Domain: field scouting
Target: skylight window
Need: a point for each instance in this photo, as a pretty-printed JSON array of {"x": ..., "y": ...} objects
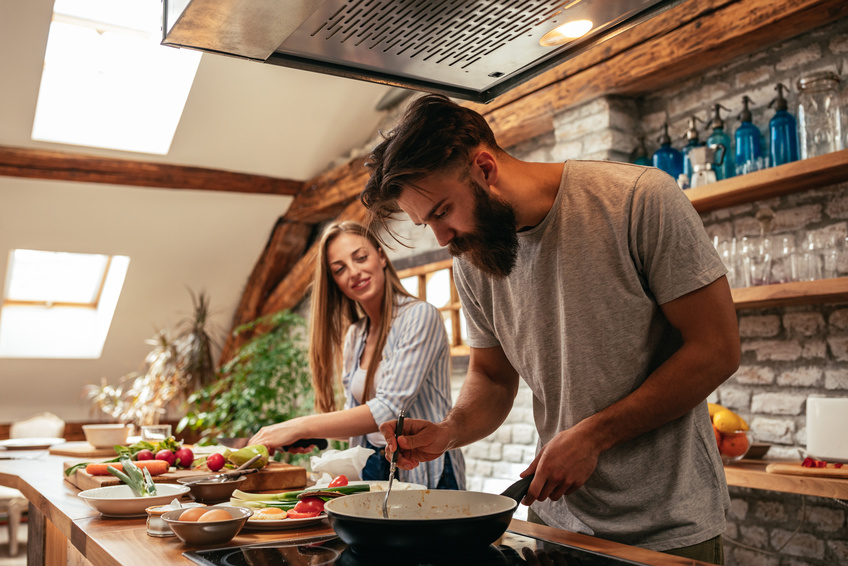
[
  {"x": 106, "y": 80},
  {"x": 59, "y": 305}
]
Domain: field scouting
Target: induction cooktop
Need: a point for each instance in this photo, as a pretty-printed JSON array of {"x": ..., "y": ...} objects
[{"x": 511, "y": 549}]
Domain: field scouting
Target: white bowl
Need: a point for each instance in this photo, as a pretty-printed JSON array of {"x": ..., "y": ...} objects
[
  {"x": 120, "y": 501},
  {"x": 106, "y": 435}
]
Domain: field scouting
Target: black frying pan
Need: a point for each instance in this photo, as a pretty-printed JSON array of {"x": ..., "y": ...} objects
[{"x": 424, "y": 521}]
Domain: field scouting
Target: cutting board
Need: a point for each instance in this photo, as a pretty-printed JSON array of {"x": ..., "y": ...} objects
[
  {"x": 795, "y": 468},
  {"x": 81, "y": 450},
  {"x": 276, "y": 476}
]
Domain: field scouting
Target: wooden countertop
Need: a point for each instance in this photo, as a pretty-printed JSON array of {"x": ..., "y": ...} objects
[
  {"x": 753, "y": 474},
  {"x": 124, "y": 542}
]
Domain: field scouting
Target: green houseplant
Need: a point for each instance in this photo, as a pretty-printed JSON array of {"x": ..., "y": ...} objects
[{"x": 267, "y": 381}]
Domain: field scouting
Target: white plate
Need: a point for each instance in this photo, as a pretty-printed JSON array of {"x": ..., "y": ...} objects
[
  {"x": 30, "y": 443},
  {"x": 119, "y": 500},
  {"x": 284, "y": 523}
]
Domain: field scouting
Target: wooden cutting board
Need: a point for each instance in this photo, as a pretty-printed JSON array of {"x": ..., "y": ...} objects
[
  {"x": 81, "y": 450},
  {"x": 795, "y": 468},
  {"x": 276, "y": 476}
]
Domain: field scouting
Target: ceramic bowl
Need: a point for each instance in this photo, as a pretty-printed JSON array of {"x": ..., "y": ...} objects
[
  {"x": 120, "y": 501},
  {"x": 106, "y": 435},
  {"x": 197, "y": 533},
  {"x": 212, "y": 492}
]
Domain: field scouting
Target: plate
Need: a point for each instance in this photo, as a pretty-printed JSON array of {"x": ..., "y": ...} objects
[
  {"x": 119, "y": 500},
  {"x": 30, "y": 443},
  {"x": 284, "y": 523}
]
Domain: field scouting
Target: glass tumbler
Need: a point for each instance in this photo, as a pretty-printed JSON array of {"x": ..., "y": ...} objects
[
  {"x": 781, "y": 261},
  {"x": 758, "y": 262}
]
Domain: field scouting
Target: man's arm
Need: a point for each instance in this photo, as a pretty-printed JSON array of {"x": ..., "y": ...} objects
[
  {"x": 483, "y": 404},
  {"x": 709, "y": 355}
]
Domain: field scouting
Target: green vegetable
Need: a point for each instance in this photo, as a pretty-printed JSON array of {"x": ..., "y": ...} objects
[
  {"x": 262, "y": 504},
  {"x": 170, "y": 443},
  {"x": 239, "y": 457},
  {"x": 141, "y": 483},
  {"x": 291, "y": 496}
]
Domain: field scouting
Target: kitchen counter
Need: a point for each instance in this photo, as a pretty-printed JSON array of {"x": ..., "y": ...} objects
[{"x": 63, "y": 528}]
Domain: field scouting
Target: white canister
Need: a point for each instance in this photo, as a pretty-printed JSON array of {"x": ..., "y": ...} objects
[{"x": 827, "y": 428}]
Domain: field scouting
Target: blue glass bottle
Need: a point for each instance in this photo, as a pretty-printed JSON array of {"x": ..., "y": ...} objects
[
  {"x": 666, "y": 157},
  {"x": 749, "y": 152},
  {"x": 719, "y": 140},
  {"x": 692, "y": 140},
  {"x": 639, "y": 155},
  {"x": 783, "y": 132}
]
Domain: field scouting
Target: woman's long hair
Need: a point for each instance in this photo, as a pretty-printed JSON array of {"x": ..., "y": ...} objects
[{"x": 333, "y": 313}]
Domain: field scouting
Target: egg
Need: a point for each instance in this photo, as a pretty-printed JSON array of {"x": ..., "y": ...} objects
[
  {"x": 214, "y": 515},
  {"x": 192, "y": 514},
  {"x": 268, "y": 514}
]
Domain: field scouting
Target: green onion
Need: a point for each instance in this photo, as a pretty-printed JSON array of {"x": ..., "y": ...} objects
[{"x": 140, "y": 483}]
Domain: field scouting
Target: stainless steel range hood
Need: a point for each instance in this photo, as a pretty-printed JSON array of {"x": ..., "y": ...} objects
[{"x": 469, "y": 49}]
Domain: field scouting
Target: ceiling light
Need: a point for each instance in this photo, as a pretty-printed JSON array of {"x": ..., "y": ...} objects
[{"x": 569, "y": 31}]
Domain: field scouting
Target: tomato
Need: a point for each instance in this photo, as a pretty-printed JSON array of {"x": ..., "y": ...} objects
[
  {"x": 292, "y": 514},
  {"x": 340, "y": 481},
  {"x": 310, "y": 505}
]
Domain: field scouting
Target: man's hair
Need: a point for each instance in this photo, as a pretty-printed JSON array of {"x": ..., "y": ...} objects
[{"x": 435, "y": 134}]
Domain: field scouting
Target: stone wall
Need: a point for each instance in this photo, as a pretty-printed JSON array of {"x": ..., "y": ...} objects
[{"x": 788, "y": 353}]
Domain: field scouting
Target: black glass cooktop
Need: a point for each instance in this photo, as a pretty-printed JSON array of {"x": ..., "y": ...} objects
[{"x": 511, "y": 549}]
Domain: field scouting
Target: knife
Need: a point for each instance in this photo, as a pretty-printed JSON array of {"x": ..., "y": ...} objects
[{"x": 241, "y": 442}]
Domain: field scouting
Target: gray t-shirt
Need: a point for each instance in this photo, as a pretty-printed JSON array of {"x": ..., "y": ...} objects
[{"x": 579, "y": 319}]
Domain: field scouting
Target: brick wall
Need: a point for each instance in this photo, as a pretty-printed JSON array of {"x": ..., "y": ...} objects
[{"x": 788, "y": 353}]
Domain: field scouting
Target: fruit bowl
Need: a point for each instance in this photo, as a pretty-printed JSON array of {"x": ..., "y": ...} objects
[{"x": 734, "y": 446}]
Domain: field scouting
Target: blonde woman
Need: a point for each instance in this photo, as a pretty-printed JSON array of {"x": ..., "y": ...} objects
[{"x": 389, "y": 348}]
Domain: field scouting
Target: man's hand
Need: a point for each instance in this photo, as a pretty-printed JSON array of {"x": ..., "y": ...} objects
[
  {"x": 562, "y": 465},
  {"x": 421, "y": 441}
]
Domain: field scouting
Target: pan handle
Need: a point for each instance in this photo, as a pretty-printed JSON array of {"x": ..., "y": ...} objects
[{"x": 518, "y": 490}]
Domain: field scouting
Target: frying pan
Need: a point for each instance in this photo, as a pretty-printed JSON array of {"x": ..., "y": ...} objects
[{"x": 424, "y": 521}]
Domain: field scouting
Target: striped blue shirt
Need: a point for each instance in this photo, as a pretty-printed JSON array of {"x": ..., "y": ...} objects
[{"x": 413, "y": 375}]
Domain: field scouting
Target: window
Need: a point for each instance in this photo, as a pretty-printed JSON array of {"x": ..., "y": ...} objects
[
  {"x": 434, "y": 283},
  {"x": 59, "y": 305},
  {"x": 106, "y": 80}
]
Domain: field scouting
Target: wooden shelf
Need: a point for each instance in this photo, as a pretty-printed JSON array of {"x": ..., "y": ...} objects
[
  {"x": 787, "y": 294},
  {"x": 775, "y": 181},
  {"x": 753, "y": 474}
]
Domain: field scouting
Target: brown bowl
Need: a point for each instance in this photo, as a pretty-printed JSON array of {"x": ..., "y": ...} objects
[
  {"x": 205, "y": 534},
  {"x": 212, "y": 492}
]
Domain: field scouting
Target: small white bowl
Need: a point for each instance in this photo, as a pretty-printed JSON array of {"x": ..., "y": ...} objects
[
  {"x": 205, "y": 534},
  {"x": 120, "y": 501},
  {"x": 106, "y": 435}
]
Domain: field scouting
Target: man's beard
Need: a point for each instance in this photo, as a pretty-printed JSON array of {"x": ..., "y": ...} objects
[{"x": 493, "y": 246}]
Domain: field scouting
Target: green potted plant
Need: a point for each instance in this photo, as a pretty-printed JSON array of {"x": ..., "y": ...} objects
[{"x": 267, "y": 381}]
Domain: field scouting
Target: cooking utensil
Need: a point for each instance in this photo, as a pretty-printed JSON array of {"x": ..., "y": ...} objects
[
  {"x": 424, "y": 521},
  {"x": 238, "y": 472},
  {"x": 393, "y": 467}
]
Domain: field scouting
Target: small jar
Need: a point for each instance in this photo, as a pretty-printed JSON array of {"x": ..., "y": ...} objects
[
  {"x": 820, "y": 110},
  {"x": 156, "y": 525}
]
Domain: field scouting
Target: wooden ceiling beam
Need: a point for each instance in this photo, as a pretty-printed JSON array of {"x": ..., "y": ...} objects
[
  {"x": 328, "y": 194},
  {"x": 62, "y": 166}
]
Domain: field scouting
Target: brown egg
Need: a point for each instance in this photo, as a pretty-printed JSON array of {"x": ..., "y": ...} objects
[
  {"x": 214, "y": 515},
  {"x": 192, "y": 513}
]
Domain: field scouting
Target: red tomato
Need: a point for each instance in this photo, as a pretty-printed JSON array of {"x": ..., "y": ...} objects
[
  {"x": 292, "y": 514},
  {"x": 313, "y": 505},
  {"x": 340, "y": 481}
]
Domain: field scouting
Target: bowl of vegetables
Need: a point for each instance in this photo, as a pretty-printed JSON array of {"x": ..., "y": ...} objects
[{"x": 122, "y": 501}]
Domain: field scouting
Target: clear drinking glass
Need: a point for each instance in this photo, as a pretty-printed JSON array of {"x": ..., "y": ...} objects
[
  {"x": 758, "y": 262},
  {"x": 155, "y": 433},
  {"x": 781, "y": 261},
  {"x": 727, "y": 251}
]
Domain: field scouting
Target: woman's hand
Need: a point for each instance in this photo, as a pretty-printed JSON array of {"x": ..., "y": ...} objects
[
  {"x": 281, "y": 434},
  {"x": 421, "y": 441}
]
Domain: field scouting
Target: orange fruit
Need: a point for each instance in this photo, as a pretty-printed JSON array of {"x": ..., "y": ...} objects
[{"x": 734, "y": 445}]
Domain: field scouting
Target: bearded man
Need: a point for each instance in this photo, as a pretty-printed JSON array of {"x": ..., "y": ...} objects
[{"x": 596, "y": 283}]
